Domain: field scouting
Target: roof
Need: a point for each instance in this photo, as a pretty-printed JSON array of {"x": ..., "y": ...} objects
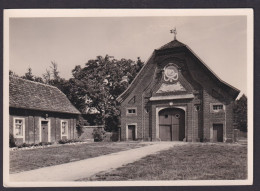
[
  {"x": 172, "y": 44},
  {"x": 175, "y": 44},
  {"x": 37, "y": 96}
]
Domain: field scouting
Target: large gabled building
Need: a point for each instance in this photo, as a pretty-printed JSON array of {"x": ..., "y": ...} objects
[
  {"x": 176, "y": 97},
  {"x": 39, "y": 112}
]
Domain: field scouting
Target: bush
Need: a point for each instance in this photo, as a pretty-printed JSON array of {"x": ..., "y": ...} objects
[
  {"x": 114, "y": 136},
  {"x": 25, "y": 145},
  {"x": 62, "y": 141},
  {"x": 44, "y": 143},
  {"x": 11, "y": 141},
  {"x": 99, "y": 134},
  {"x": 65, "y": 141},
  {"x": 206, "y": 140}
]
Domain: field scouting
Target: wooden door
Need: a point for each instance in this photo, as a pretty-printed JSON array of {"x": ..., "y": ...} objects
[
  {"x": 44, "y": 131},
  {"x": 218, "y": 133},
  {"x": 131, "y": 132},
  {"x": 172, "y": 124},
  {"x": 165, "y": 133}
]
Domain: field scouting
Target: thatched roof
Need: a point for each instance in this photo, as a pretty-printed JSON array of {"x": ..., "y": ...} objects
[{"x": 37, "y": 96}]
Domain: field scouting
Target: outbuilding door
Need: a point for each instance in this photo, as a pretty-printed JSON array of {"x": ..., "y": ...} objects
[
  {"x": 172, "y": 124},
  {"x": 217, "y": 132},
  {"x": 131, "y": 132},
  {"x": 44, "y": 131}
]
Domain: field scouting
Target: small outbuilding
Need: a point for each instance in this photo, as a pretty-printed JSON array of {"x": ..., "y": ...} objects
[
  {"x": 39, "y": 112},
  {"x": 177, "y": 97}
]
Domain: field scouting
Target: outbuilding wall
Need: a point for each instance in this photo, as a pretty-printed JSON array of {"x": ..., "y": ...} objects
[{"x": 32, "y": 124}]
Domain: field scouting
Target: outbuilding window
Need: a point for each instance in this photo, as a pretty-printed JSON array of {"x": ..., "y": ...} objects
[
  {"x": 64, "y": 128},
  {"x": 19, "y": 128},
  {"x": 131, "y": 111}
]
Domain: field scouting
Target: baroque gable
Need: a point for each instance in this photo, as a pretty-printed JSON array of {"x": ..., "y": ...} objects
[{"x": 170, "y": 80}]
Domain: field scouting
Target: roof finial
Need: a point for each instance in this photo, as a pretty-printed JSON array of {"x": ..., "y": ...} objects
[{"x": 174, "y": 31}]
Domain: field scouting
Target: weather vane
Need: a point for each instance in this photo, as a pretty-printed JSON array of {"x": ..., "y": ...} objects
[{"x": 174, "y": 31}]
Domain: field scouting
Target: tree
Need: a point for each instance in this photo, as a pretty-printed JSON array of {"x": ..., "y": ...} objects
[
  {"x": 99, "y": 83},
  {"x": 240, "y": 113},
  {"x": 47, "y": 76},
  {"x": 52, "y": 77},
  {"x": 54, "y": 70},
  {"x": 11, "y": 73},
  {"x": 29, "y": 76}
]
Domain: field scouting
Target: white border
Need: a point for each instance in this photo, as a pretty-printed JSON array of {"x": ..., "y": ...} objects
[{"x": 127, "y": 13}]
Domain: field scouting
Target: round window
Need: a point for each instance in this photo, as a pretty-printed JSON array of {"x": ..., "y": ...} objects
[{"x": 177, "y": 116}]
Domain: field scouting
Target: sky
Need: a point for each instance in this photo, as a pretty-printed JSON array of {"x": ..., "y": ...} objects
[{"x": 220, "y": 41}]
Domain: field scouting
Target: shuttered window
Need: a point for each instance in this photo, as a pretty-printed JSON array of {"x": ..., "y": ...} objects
[
  {"x": 64, "y": 128},
  {"x": 19, "y": 127}
]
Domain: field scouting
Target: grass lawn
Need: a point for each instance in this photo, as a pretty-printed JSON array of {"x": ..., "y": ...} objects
[
  {"x": 200, "y": 161},
  {"x": 23, "y": 160}
]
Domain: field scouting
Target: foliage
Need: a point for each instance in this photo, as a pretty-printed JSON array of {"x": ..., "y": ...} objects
[
  {"x": 98, "y": 134},
  {"x": 11, "y": 73},
  {"x": 11, "y": 141},
  {"x": 29, "y": 76},
  {"x": 65, "y": 141},
  {"x": 80, "y": 125},
  {"x": 94, "y": 87},
  {"x": 34, "y": 144},
  {"x": 52, "y": 77},
  {"x": 240, "y": 113},
  {"x": 45, "y": 143},
  {"x": 99, "y": 83}
]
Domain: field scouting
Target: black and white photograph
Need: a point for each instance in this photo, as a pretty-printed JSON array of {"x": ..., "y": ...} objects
[{"x": 126, "y": 97}]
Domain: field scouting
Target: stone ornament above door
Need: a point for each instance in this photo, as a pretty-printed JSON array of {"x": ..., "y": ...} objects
[{"x": 177, "y": 87}]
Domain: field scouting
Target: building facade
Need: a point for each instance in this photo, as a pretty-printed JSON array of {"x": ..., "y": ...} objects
[
  {"x": 39, "y": 113},
  {"x": 176, "y": 97}
]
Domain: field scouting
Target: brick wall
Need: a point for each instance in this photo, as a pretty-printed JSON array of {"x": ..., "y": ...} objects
[
  {"x": 141, "y": 117},
  {"x": 196, "y": 79},
  {"x": 224, "y": 117}
]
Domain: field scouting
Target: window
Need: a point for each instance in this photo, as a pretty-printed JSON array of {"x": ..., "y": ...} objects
[
  {"x": 217, "y": 107},
  {"x": 177, "y": 116},
  {"x": 197, "y": 107},
  {"x": 131, "y": 111},
  {"x": 19, "y": 128},
  {"x": 64, "y": 128}
]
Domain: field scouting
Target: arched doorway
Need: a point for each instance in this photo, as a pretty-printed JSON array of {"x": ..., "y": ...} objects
[{"x": 172, "y": 124}]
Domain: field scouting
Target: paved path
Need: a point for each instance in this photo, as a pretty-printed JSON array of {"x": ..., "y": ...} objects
[{"x": 88, "y": 167}]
